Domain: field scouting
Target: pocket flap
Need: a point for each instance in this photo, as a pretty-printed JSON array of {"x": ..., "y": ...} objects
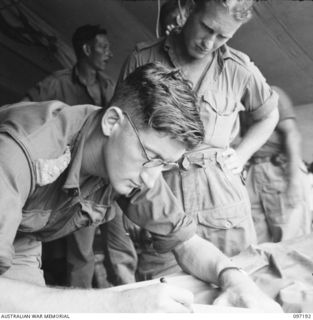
[
  {"x": 223, "y": 218},
  {"x": 274, "y": 187}
]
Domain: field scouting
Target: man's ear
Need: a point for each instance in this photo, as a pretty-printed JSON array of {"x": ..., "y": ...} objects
[
  {"x": 112, "y": 117},
  {"x": 86, "y": 49}
]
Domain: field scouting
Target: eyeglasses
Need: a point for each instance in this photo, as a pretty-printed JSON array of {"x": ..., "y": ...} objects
[{"x": 155, "y": 162}]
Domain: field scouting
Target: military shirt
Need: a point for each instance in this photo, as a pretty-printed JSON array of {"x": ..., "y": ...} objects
[
  {"x": 231, "y": 84},
  {"x": 41, "y": 148},
  {"x": 65, "y": 85}
]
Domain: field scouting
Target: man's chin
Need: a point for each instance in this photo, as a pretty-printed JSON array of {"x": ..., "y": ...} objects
[{"x": 198, "y": 54}]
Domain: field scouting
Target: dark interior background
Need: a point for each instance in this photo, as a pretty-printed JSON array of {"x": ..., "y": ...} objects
[{"x": 278, "y": 39}]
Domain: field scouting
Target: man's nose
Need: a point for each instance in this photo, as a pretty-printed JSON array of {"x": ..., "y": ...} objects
[
  {"x": 208, "y": 41},
  {"x": 150, "y": 175},
  {"x": 110, "y": 54}
]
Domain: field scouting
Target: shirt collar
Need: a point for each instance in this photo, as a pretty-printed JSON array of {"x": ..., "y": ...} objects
[
  {"x": 223, "y": 53},
  {"x": 73, "y": 176},
  {"x": 101, "y": 77},
  {"x": 75, "y": 75}
]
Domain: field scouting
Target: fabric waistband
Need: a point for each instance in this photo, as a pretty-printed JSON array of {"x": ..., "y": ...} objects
[
  {"x": 275, "y": 159},
  {"x": 201, "y": 158}
]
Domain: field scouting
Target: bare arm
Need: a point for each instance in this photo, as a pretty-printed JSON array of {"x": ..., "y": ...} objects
[
  {"x": 257, "y": 135},
  {"x": 292, "y": 141},
  {"x": 201, "y": 259},
  {"x": 204, "y": 261},
  {"x": 254, "y": 138},
  {"x": 25, "y": 297}
]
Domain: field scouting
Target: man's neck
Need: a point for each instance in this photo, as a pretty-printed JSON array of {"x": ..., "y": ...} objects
[
  {"x": 93, "y": 156},
  {"x": 86, "y": 73},
  {"x": 192, "y": 68}
]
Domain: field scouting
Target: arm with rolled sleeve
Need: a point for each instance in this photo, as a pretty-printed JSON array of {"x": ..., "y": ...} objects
[
  {"x": 292, "y": 141},
  {"x": 204, "y": 261},
  {"x": 158, "y": 211},
  {"x": 287, "y": 127},
  {"x": 261, "y": 103},
  {"x": 14, "y": 189}
]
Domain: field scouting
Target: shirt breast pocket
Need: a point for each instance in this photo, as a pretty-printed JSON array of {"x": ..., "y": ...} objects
[{"x": 219, "y": 113}]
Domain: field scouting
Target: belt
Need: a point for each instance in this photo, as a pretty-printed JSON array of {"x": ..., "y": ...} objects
[
  {"x": 201, "y": 158},
  {"x": 275, "y": 159},
  {"x": 204, "y": 157}
]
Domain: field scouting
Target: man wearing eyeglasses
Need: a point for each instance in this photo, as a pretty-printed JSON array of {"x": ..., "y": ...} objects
[{"x": 64, "y": 168}]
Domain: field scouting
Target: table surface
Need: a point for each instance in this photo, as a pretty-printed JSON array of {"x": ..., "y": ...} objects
[{"x": 282, "y": 270}]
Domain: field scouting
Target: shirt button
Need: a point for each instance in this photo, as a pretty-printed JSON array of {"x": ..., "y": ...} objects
[
  {"x": 185, "y": 163},
  {"x": 228, "y": 224}
]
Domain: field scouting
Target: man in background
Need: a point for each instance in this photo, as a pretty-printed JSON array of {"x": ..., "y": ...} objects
[
  {"x": 278, "y": 182},
  {"x": 70, "y": 261}
]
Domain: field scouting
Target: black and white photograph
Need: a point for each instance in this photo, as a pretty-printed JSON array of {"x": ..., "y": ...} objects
[{"x": 156, "y": 156}]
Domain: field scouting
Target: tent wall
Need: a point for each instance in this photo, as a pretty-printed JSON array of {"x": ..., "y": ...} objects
[{"x": 278, "y": 39}]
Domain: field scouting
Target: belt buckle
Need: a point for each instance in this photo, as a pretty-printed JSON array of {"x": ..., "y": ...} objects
[{"x": 193, "y": 160}]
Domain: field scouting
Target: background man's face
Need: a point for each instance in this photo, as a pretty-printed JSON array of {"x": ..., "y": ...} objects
[
  {"x": 208, "y": 29},
  {"x": 124, "y": 157},
  {"x": 100, "y": 52}
]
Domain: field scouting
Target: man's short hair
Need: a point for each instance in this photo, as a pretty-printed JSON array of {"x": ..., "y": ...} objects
[
  {"x": 241, "y": 10},
  {"x": 83, "y": 35},
  {"x": 160, "y": 98}
]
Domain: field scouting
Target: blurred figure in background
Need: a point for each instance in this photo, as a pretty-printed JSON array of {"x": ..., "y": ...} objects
[
  {"x": 278, "y": 181},
  {"x": 70, "y": 261}
]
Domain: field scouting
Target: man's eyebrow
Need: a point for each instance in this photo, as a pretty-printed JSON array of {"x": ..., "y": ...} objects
[
  {"x": 207, "y": 27},
  {"x": 213, "y": 31}
]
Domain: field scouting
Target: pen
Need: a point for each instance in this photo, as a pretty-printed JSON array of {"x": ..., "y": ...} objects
[{"x": 164, "y": 280}]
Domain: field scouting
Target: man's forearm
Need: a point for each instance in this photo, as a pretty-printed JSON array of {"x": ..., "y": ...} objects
[
  {"x": 257, "y": 135},
  {"x": 292, "y": 146},
  {"x": 24, "y": 297},
  {"x": 201, "y": 259},
  {"x": 204, "y": 261}
]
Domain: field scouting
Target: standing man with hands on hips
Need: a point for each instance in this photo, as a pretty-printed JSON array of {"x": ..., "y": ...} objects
[{"x": 225, "y": 82}]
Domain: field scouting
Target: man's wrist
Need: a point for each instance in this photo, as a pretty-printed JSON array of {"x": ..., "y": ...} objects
[{"x": 224, "y": 274}]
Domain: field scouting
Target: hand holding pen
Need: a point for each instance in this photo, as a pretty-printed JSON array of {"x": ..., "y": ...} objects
[{"x": 180, "y": 295}]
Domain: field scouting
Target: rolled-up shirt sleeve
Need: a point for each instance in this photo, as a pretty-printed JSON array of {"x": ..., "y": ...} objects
[
  {"x": 158, "y": 211},
  {"x": 14, "y": 189},
  {"x": 259, "y": 98}
]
